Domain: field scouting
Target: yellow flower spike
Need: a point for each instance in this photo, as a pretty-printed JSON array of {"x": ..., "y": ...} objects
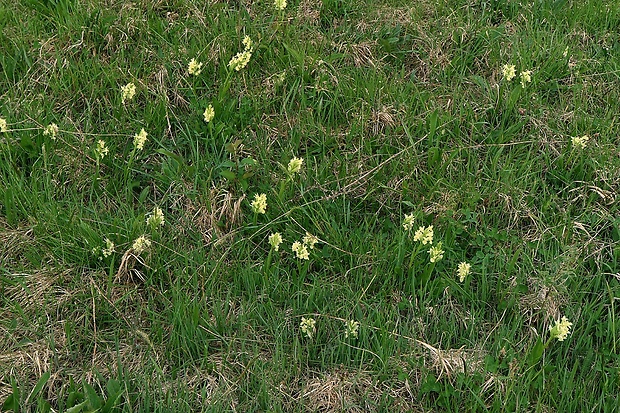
[
  {"x": 101, "y": 150},
  {"x": 275, "y": 240},
  {"x": 259, "y": 204},
  {"x": 139, "y": 139},
  {"x": 351, "y": 329},
  {"x": 300, "y": 250},
  {"x": 408, "y": 222},
  {"x": 128, "y": 92},
  {"x": 51, "y": 130},
  {"x": 209, "y": 113},
  {"x": 561, "y": 329},
  {"x": 310, "y": 240},
  {"x": 436, "y": 253},
  {"x": 308, "y": 326},
  {"x": 141, "y": 244},
  {"x": 526, "y": 77},
  {"x": 509, "y": 72},
  {"x": 156, "y": 218},
  {"x": 194, "y": 67},
  {"x": 580, "y": 142},
  {"x": 109, "y": 248},
  {"x": 424, "y": 234},
  {"x": 463, "y": 271},
  {"x": 294, "y": 165}
]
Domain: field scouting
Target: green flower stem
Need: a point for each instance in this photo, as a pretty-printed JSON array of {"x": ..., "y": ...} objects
[
  {"x": 226, "y": 86},
  {"x": 95, "y": 187},
  {"x": 414, "y": 253},
  {"x": 267, "y": 265},
  {"x": 283, "y": 185},
  {"x": 127, "y": 176},
  {"x": 401, "y": 254}
]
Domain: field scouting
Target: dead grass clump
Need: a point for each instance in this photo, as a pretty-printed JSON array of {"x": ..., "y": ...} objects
[
  {"x": 543, "y": 299},
  {"x": 309, "y": 12},
  {"x": 218, "y": 217},
  {"x": 14, "y": 243},
  {"x": 383, "y": 118},
  {"x": 31, "y": 291},
  {"x": 363, "y": 54},
  {"x": 336, "y": 391},
  {"x": 462, "y": 360},
  {"x": 342, "y": 389}
]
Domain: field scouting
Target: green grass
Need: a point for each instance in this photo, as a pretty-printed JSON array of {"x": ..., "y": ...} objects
[{"x": 395, "y": 109}]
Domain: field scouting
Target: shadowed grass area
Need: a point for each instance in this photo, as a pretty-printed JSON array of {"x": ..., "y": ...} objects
[{"x": 405, "y": 116}]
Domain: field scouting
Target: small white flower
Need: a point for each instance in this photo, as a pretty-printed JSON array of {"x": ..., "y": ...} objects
[{"x": 424, "y": 234}]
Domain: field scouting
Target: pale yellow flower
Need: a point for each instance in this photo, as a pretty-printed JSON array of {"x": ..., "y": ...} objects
[
  {"x": 308, "y": 326},
  {"x": 141, "y": 244},
  {"x": 3, "y": 125},
  {"x": 294, "y": 165},
  {"x": 51, "y": 130},
  {"x": 463, "y": 271},
  {"x": 109, "y": 248},
  {"x": 139, "y": 139},
  {"x": 280, "y": 4},
  {"x": 280, "y": 78},
  {"x": 240, "y": 60},
  {"x": 101, "y": 150},
  {"x": 259, "y": 204},
  {"x": 424, "y": 234},
  {"x": 351, "y": 328},
  {"x": 526, "y": 77},
  {"x": 310, "y": 240},
  {"x": 155, "y": 218},
  {"x": 436, "y": 252},
  {"x": 561, "y": 329},
  {"x": 128, "y": 92},
  {"x": 580, "y": 142},
  {"x": 300, "y": 250},
  {"x": 248, "y": 44},
  {"x": 408, "y": 222},
  {"x": 194, "y": 67},
  {"x": 565, "y": 53},
  {"x": 275, "y": 240},
  {"x": 509, "y": 72},
  {"x": 209, "y": 113}
]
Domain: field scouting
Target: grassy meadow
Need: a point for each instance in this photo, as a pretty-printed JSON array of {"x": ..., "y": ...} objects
[{"x": 319, "y": 206}]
